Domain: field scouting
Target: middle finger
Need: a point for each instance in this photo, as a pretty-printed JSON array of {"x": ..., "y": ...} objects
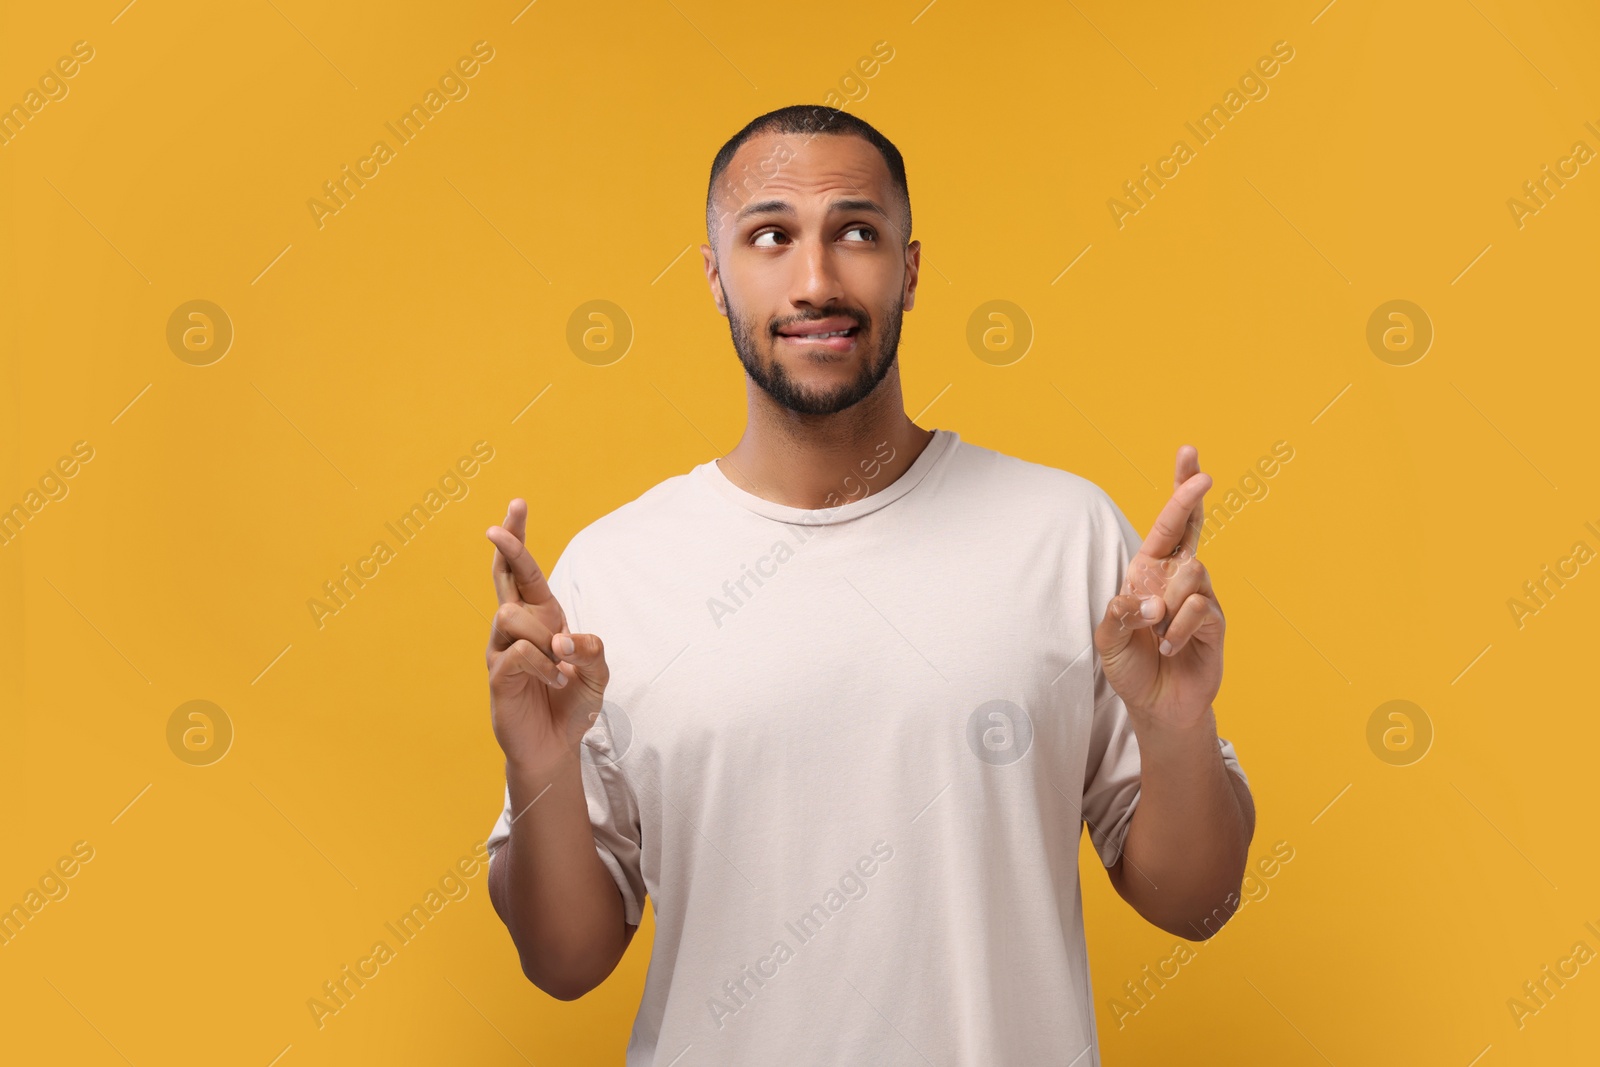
[{"x": 1184, "y": 575}]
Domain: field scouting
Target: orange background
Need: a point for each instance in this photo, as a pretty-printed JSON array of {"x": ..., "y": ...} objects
[{"x": 1230, "y": 311}]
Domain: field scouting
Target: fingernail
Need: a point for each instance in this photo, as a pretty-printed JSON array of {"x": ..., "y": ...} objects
[
  {"x": 563, "y": 645},
  {"x": 1149, "y": 607},
  {"x": 561, "y": 680},
  {"x": 1166, "y": 647}
]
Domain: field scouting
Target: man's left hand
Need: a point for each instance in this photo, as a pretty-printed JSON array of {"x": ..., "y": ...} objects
[{"x": 1167, "y": 667}]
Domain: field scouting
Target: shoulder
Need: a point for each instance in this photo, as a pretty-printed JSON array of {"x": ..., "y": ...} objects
[
  {"x": 630, "y": 526},
  {"x": 1059, "y": 496}
]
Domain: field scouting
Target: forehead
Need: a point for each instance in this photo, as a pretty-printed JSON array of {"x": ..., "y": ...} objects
[{"x": 793, "y": 166}]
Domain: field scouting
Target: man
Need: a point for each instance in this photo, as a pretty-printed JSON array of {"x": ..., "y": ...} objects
[{"x": 863, "y": 684}]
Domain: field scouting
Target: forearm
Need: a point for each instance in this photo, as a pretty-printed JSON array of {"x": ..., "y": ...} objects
[
  {"x": 1184, "y": 855},
  {"x": 558, "y": 901}
]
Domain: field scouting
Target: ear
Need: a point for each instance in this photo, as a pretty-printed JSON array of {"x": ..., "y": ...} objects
[
  {"x": 908, "y": 299},
  {"x": 713, "y": 276}
]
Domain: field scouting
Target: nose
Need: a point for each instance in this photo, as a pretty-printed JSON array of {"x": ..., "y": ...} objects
[{"x": 816, "y": 282}]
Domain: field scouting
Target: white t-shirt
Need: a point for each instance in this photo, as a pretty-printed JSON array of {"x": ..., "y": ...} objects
[{"x": 848, "y": 753}]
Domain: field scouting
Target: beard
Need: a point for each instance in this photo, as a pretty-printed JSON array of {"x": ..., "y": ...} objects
[{"x": 785, "y": 391}]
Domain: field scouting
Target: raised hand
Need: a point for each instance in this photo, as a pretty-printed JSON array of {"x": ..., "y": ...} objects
[
  {"x": 1167, "y": 665},
  {"x": 545, "y": 684}
]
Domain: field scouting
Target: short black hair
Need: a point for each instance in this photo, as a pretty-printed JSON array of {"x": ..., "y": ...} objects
[{"x": 812, "y": 120}]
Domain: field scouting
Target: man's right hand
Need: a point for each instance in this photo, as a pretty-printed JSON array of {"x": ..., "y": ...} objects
[{"x": 545, "y": 684}]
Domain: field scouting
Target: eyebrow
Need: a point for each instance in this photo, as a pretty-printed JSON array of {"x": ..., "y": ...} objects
[{"x": 783, "y": 207}]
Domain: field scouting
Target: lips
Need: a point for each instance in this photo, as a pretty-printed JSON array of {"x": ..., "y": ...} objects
[{"x": 814, "y": 332}]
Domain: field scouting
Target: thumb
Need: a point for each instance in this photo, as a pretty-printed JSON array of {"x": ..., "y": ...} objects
[
  {"x": 1124, "y": 616},
  {"x": 581, "y": 656}
]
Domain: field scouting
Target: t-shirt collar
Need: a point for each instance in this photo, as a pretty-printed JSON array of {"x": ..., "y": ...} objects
[{"x": 941, "y": 445}]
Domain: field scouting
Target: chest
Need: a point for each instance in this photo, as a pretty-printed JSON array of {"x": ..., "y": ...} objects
[{"x": 804, "y": 662}]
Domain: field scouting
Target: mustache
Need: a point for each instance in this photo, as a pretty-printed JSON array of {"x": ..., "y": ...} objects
[{"x": 860, "y": 319}]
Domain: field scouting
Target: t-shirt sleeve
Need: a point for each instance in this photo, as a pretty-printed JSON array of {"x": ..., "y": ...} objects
[
  {"x": 613, "y": 813},
  {"x": 1111, "y": 778}
]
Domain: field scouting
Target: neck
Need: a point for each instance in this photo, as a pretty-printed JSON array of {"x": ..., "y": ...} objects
[{"x": 820, "y": 461}]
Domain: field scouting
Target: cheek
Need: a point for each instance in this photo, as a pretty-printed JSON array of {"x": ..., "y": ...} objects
[
  {"x": 872, "y": 288},
  {"x": 757, "y": 329},
  {"x": 758, "y": 291}
]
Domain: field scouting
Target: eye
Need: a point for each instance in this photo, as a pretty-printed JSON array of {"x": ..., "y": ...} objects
[
  {"x": 872, "y": 233},
  {"x": 756, "y": 240}
]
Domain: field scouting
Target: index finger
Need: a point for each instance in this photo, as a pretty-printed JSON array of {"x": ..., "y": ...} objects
[
  {"x": 1187, "y": 466},
  {"x": 517, "y": 576},
  {"x": 1178, "y": 524}
]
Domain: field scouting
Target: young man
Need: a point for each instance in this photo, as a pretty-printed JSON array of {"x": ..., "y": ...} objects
[{"x": 863, "y": 684}]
